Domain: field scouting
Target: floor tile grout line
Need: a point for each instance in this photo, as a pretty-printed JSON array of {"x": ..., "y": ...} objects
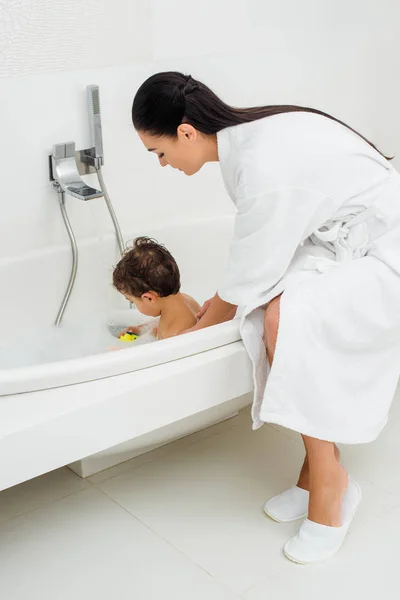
[
  {"x": 132, "y": 516},
  {"x": 161, "y": 537},
  {"x": 287, "y": 566},
  {"x": 284, "y": 567},
  {"x": 193, "y": 443},
  {"x": 190, "y": 444},
  {"x": 173, "y": 450},
  {"x": 382, "y": 489},
  {"x": 44, "y": 505},
  {"x": 380, "y": 516},
  {"x": 394, "y": 495},
  {"x": 181, "y": 552},
  {"x": 287, "y": 435}
]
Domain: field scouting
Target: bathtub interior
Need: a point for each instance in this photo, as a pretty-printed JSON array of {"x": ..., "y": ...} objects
[{"x": 33, "y": 286}]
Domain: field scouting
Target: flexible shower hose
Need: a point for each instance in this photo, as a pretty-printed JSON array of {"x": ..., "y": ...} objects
[
  {"x": 120, "y": 239},
  {"x": 111, "y": 210},
  {"x": 74, "y": 248},
  {"x": 74, "y": 267}
]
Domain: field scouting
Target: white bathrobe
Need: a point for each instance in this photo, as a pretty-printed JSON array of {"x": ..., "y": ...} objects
[{"x": 318, "y": 217}]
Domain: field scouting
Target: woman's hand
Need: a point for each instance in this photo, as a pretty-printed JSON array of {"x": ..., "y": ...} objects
[
  {"x": 212, "y": 312},
  {"x": 203, "y": 309},
  {"x": 232, "y": 314}
]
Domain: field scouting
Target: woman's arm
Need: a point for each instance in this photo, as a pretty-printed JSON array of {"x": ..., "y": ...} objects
[{"x": 217, "y": 312}]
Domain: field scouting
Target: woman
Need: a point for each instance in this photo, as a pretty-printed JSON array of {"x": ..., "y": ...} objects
[{"x": 315, "y": 252}]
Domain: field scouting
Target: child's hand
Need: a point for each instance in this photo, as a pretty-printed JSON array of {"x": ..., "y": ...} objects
[{"x": 134, "y": 330}]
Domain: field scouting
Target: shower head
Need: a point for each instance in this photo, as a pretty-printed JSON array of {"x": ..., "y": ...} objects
[{"x": 96, "y": 136}]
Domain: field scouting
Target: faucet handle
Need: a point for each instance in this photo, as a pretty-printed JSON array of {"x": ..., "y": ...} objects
[
  {"x": 69, "y": 149},
  {"x": 59, "y": 150}
]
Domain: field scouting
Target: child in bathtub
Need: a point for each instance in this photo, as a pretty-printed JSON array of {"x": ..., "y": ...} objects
[{"x": 148, "y": 276}]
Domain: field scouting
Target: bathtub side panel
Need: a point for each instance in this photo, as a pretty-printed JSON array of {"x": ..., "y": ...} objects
[{"x": 122, "y": 408}]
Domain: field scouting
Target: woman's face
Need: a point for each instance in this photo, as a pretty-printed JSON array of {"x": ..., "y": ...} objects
[{"x": 186, "y": 151}]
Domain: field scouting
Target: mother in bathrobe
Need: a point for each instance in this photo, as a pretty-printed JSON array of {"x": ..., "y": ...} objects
[{"x": 314, "y": 265}]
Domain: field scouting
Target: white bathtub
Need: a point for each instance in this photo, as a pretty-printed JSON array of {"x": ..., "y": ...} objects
[{"x": 93, "y": 408}]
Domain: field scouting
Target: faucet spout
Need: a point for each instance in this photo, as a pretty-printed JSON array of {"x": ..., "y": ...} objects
[{"x": 65, "y": 176}]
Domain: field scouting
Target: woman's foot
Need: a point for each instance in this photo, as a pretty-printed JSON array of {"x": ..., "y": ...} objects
[
  {"x": 314, "y": 542},
  {"x": 292, "y": 504}
]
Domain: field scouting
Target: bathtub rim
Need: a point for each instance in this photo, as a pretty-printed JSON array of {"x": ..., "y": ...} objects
[{"x": 109, "y": 364}]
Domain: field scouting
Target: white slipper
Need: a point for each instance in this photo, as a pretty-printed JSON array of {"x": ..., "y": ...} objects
[
  {"x": 288, "y": 506},
  {"x": 315, "y": 542}
]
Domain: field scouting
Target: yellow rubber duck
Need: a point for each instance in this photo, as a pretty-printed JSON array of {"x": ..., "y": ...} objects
[{"x": 128, "y": 337}]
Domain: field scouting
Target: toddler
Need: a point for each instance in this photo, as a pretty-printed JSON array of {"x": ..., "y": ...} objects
[{"x": 148, "y": 276}]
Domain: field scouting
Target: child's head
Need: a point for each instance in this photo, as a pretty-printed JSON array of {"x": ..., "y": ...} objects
[{"x": 146, "y": 274}]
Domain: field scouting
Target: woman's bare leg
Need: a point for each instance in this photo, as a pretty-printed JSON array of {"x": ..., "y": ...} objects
[
  {"x": 321, "y": 473},
  {"x": 271, "y": 326},
  {"x": 328, "y": 482},
  {"x": 304, "y": 477}
]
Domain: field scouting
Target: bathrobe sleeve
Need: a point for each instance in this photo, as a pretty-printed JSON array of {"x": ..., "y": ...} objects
[{"x": 268, "y": 229}]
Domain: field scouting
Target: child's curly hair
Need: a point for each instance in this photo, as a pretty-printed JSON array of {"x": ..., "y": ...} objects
[{"x": 147, "y": 267}]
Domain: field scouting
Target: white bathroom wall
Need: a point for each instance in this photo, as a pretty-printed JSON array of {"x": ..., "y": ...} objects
[{"x": 340, "y": 56}]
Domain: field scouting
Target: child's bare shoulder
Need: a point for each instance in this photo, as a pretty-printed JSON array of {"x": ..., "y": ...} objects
[{"x": 191, "y": 304}]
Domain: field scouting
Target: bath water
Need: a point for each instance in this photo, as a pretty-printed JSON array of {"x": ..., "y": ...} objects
[{"x": 76, "y": 339}]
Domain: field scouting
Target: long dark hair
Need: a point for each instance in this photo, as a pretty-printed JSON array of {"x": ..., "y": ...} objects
[{"x": 165, "y": 100}]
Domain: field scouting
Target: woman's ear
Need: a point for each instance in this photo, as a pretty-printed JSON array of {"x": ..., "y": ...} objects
[{"x": 187, "y": 132}]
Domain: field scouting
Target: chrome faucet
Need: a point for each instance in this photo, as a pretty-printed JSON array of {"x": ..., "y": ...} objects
[{"x": 65, "y": 176}]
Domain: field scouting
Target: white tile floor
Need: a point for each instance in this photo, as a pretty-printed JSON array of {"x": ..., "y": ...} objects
[{"x": 185, "y": 522}]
